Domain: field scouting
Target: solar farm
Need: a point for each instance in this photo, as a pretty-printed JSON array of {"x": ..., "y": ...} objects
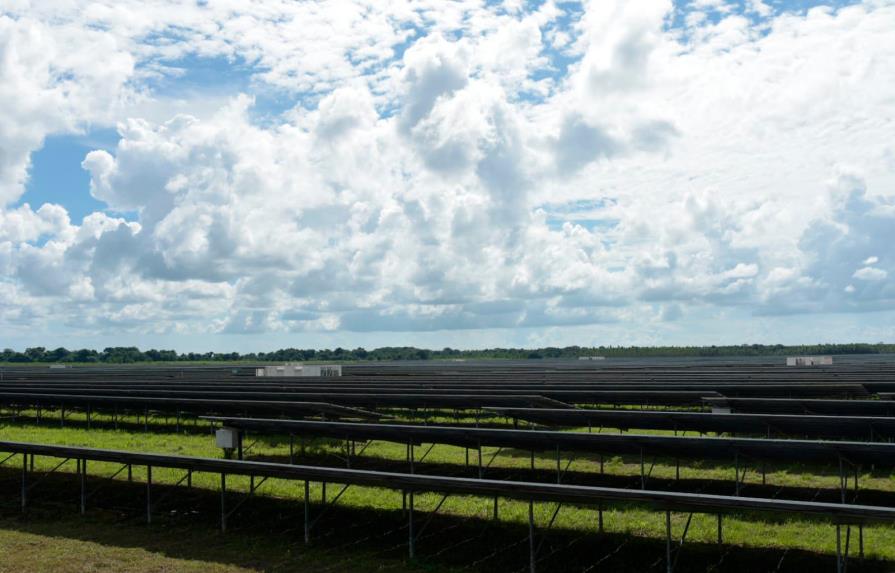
[{"x": 644, "y": 465}]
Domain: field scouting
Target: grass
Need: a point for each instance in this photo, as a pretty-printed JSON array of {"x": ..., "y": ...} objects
[{"x": 365, "y": 530}]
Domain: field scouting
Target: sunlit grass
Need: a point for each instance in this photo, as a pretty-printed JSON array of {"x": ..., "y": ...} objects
[{"x": 817, "y": 536}]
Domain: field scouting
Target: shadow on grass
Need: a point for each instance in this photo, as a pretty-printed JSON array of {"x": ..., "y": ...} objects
[
  {"x": 267, "y": 534},
  {"x": 131, "y": 421},
  {"x": 545, "y": 472}
]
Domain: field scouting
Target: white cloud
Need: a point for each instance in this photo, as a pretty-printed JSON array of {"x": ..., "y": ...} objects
[
  {"x": 870, "y": 274},
  {"x": 50, "y": 82},
  {"x": 430, "y": 176}
]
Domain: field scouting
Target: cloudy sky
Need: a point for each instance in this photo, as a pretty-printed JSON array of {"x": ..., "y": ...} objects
[{"x": 247, "y": 175}]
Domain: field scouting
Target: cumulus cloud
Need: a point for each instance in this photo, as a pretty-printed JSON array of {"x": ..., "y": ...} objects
[
  {"x": 50, "y": 82},
  {"x": 841, "y": 246},
  {"x": 429, "y": 175}
]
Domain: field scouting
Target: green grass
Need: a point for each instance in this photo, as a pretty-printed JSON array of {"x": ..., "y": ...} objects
[{"x": 755, "y": 538}]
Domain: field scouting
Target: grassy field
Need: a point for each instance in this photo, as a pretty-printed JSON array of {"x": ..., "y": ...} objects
[{"x": 366, "y": 530}]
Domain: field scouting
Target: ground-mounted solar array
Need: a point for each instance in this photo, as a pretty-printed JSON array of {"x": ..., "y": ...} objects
[{"x": 493, "y": 466}]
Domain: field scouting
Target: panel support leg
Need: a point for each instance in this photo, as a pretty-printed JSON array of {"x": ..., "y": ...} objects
[
  {"x": 481, "y": 471},
  {"x": 25, "y": 480},
  {"x": 148, "y": 495},
  {"x": 737, "y": 473},
  {"x": 860, "y": 539},
  {"x": 83, "y": 477},
  {"x": 531, "y": 536},
  {"x": 642, "y": 471},
  {"x": 558, "y": 466},
  {"x": 223, "y": 503},
  {"x": 838, "y": 549},
  {"x": 411, "y": 547},
  {"x": 668, "y": 567},
  {"x": 307, "y": 512}
]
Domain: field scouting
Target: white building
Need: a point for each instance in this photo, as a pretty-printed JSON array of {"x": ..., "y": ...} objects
[
  {"x": 809, "y": 361},
  {"x": 300, "y": 370},
  {"x": 326, "y": 370}
]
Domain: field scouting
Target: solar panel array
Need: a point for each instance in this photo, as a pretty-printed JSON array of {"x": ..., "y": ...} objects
[{"x": 839, "y": 416}]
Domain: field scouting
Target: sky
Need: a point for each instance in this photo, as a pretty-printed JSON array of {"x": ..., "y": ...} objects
[{"x": 241, "y": 175}]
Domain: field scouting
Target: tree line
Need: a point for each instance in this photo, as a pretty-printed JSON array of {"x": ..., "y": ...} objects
[{"x": 130, "y": 354}]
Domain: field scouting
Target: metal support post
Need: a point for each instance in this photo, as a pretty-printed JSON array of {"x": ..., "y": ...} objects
[
  {"x": 223, "y": 503},
  {"x": 841, "y": 484},
  {"x": 558, "y": 469},
  {"x": 148, "y": 495},
  {"x": 481, "y": 472},
  {"x": 410, "y": 526},
  {"x": 531, "y": 536},
  {"x": 838, "y": 549},
  {"x": 25, "y": 479},
  {"x": 83, "y": 477},
  {"x": 737, "y": 472},
  {"x": 668, "y": 567},
  {"x": 307, "y": 512},
  {"x": 642, "y": 471}
]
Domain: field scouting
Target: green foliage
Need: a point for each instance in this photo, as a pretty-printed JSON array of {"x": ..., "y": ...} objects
[{"x": 131, "y": 354}]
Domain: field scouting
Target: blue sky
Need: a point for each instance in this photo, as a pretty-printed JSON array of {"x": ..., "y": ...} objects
[
  {"x": 56, "y": 175},
  {"x": 555, "y": 173}
]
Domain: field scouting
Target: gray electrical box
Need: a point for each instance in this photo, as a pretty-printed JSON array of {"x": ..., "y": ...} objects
[{"x": 226, "y": 438}]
